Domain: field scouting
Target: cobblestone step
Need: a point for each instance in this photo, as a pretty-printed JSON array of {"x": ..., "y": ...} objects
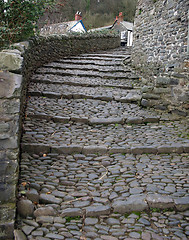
[
  {"x": 107, "y": 197},
  {"x": 79, "y": 92},
  {"x": 91, "y": 62},
  {"x": 96, "y": 68},
  {"x": 91, "y": 109},
  {"x": 85, "y": 81},
  {"x": 112, "y": 135},
  {"x": 102, "y": 55},
  {"x": 87, "y": 73},
  {"x": 96, "y": 58},
  {"x": 103, "y": 149},
  {"x": 94, "y": 165}
]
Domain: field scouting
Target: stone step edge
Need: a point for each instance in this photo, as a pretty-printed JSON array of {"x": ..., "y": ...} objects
[
  {"x": 97, "y": 121},
  {"x": 82, "y": 84},
  {"x": 134, "y": 203},
  {"x": 101, "y": 58},
  {"x": 64, "y": 68},
  {"x": 94, "y": 63},
  {"x": 101, "y": 149},
  {"x": 82, "y": 96},
  {"x": 87, "y": 75}
]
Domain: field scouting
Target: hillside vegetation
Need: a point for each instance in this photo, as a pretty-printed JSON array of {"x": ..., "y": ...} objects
[{"x": 96, "y": 13}]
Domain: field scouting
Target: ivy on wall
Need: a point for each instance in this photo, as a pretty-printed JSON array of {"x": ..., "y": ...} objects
[{"x": 18, "y": 19}]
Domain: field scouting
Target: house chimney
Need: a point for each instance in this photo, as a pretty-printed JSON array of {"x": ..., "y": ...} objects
[
  {"x": 78, "y": 16},
  {"x": 119, "y": 18}
]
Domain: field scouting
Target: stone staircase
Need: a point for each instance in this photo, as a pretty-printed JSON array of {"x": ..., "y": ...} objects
[{"x": 95, "y": 165}]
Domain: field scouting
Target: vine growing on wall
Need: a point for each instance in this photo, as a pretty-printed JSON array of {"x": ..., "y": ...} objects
[{"x": 18, "y": 19}]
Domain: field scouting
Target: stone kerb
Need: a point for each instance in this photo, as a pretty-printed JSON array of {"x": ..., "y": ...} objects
[{"x": 16, "y": 66}]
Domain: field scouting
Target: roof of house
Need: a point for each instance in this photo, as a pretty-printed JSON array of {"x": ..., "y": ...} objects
[
  {"x": 100, "y": 28},
  {"x": 123, "y": 24},
  {"x": 128, "y": 25},
  {"x": 60, "y": 28}
]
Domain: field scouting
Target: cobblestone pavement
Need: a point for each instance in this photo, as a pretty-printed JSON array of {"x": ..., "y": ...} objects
[{"x": 94, "y": 165}]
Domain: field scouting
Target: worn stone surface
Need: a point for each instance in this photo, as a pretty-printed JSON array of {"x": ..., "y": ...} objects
[
  {"x": 11, "y": 60},
  {"x": 107, "y": 169}
]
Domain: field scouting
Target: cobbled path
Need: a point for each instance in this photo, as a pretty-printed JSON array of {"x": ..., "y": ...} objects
[{"x": 94, "y": 165}]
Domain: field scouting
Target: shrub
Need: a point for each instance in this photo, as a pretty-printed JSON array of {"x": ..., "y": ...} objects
[{"x": 18, "y": 19}]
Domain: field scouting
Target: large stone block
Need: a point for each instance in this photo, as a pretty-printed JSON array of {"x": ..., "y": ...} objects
[
  {"x": 7, "y": 230},
  {"x": 9, "y": 106},
  {"x": 8, "y": 169},
  {"x": 11, "y": 60},
  {"x": 7, "y": 192},
  {"x": 133, "y": 203},
  {"x": 7, "y": 212},
  {"x": 10, "y": 84},
  {"x": 10, "y": 143}
]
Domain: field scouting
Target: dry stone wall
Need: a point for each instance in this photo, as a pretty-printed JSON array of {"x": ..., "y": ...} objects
[
  {"x": 160, "y": 53},
  {"x": 16, "y": 67}
]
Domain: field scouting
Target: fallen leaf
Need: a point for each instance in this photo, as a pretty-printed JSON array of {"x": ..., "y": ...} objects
[{"x": 24, "y": 184}]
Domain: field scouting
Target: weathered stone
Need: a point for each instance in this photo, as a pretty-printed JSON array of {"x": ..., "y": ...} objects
[
  {"x": 91, "y": 221},
  {"x": 162, "y": 81},
  {"x": 134, "y": 120},
  {"x": 11, "y": 60},
  {"x": 10, "y": 85},
  {"x": 104, "y": 237},
  {"x": 182, "y": 204},
  {"x": 119, "y": 150},
  {"x": 134, "y": 203},
  {"x": 150, "y": 96},
  {"x": 151, "y": 119},
  {"x": 35, "y": 148},
  {"x": 144, "y": 221},
  {"x": 44, "y": 219},
  {"x": 132, "y": 97},
  {"x": 44, "y": 211},
  {"x": 47, "y": 198},
  {"x": 55, "y": 236},
  {"x": 25, "y": 208},
  {"x": 6, "y": 228},
  {"x": 159, "y": 201},
  {"x": 67, "y": 149},
  {"x": 27, "y": 230},
  {"x": 113, "y": 221},
  {"x": 106, "y": 121},
  {"x": 19, "y": 235},
  {"x": 97, "y": 211},
  {"x": 72, "y": 212},
  {"x": 144, "y": 149},
  {"x": 33, "y": 195},
  {"x": 61, "y": 119},
  {"x": 176, "y": 148},
  {"x": 94, "y": 150}
]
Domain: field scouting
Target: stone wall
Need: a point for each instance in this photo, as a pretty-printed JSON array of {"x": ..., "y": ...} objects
[
  {"x": 16, "y": 67},
  {"x": 160, "y": 53}
]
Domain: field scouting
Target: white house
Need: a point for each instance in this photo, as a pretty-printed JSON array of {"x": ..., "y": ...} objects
[
  {"x": 125, "y": 29},
  {"x": 64, "y": 27}
]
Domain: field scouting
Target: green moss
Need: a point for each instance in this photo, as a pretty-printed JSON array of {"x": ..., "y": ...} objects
[
  {"x": 155, "y": 210},
  {"x": 69, "y": 219}
]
